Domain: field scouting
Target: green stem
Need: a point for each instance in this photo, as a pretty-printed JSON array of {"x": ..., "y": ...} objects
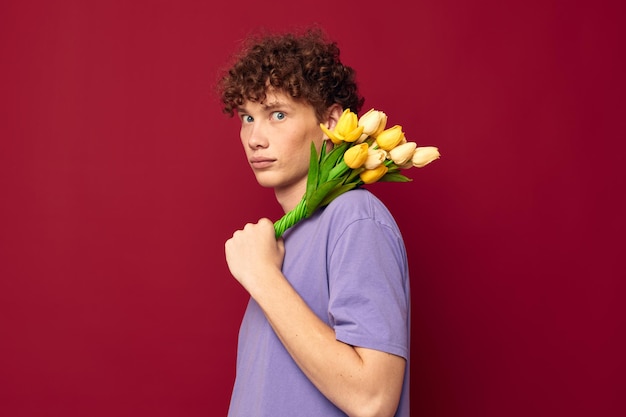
[{"x": 290, "y": 218}]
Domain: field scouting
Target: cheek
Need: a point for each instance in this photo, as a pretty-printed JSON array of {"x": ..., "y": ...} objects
[
  {"x": 243, "y": 138},
  {"x": 314, "y": 134}
]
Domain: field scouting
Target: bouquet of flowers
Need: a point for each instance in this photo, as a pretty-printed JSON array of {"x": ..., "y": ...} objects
[{"x": 364, "y": 152}]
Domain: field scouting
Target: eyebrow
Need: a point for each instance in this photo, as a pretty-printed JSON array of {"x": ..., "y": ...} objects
[
  {"x": 274, "y": 104},
  {"x": 268, "y": 106}
]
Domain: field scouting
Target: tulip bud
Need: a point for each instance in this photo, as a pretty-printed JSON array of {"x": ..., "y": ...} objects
[
  {"x": 346, "y": 121},
  {"x": 372, "y": 175},
  {"x": 402, "y": 153},
  {"x": 356, "y": 155},
  {"x": 375, "y": 157},
  {"x": 424, "y": 155},
  {"x": 373, "y": 122},
  {"x": 347, "y": 128},
  {"x": 390, "y": 138}
]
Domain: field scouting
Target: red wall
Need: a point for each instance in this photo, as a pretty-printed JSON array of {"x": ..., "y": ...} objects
[{"x": 120, "y": 180}]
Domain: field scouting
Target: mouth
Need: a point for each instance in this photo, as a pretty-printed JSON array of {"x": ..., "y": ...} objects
[{"x": 261, "y": 162}]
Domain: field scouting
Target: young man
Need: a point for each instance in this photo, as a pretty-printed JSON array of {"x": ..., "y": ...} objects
[{"x": 326, "y": 330}]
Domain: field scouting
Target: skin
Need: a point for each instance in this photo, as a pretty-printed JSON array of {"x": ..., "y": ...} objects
[{"x": 276, "y": 136}]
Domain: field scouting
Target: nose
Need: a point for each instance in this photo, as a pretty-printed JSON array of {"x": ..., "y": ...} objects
[{"x": 255, "y": 136}]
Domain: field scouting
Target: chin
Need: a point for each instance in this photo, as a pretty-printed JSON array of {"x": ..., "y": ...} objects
[{"x": 267, "y": 181}]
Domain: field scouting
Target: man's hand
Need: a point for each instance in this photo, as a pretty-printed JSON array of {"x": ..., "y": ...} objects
[{"x": 253, "y": 254}]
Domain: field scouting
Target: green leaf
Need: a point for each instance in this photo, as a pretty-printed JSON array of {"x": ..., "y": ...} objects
[
  {"x": 339, "y": 170},
  {"x": 353, "y": 174},
  {"x": 322, "y": 153},
  {"x": 312, "y": 178},
  {"x": 337, "y": 192},
  {"x": 319, "y": 194},
  {"x": 330, "y": 161},
  {"x": 394, "y": 177}
]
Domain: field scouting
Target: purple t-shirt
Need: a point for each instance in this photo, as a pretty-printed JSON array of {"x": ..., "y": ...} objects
[{"x": 348, "y": 262}]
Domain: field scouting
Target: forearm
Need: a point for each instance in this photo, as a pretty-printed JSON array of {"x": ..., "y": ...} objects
[{"x": 358, "y": 381}]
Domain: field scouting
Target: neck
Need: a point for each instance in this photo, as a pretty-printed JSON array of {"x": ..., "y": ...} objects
[{"x": 290, "y": 197}]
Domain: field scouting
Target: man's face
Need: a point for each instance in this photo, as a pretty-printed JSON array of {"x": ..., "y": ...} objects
[{"x": 276, "y": 136}]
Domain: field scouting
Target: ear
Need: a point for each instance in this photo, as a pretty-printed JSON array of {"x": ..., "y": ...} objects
[{"x": 332, "y": 116}]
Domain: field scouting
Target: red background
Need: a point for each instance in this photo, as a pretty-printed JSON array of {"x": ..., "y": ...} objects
[{"x": 120, "y": 180}]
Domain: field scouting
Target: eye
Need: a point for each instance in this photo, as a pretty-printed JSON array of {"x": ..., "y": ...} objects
[
  {"x": 245, "y": 118},
  {"x": 278, "y": 115}
]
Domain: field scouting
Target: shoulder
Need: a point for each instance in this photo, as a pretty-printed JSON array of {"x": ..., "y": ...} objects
[
  {"x": 344, "y": 216},
  {"x": 359, "y": 204},
  {"x": 356, "y": 206}
]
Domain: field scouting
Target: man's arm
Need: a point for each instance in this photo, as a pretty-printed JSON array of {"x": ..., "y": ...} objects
[{"x": 361, "y": 382}]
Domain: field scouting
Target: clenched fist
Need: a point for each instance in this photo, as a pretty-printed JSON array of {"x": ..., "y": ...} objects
[{"x": 254, "y": 255}]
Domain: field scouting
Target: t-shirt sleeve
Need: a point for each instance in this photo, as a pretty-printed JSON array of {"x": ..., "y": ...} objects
[{"x": 369, "y": 288}]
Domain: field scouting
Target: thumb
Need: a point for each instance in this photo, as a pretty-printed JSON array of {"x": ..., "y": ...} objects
[{"x": 280, "y": 244}]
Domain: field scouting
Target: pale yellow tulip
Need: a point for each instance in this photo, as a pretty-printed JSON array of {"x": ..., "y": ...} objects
[
  {"x": 424, "y": 155},
  {"x": 373, "y": 122},
  {"x": 402, "y": 153},
  {"x": 375, "y": 157}
]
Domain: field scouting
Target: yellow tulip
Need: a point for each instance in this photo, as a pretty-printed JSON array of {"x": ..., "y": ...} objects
[
  {"x": 373, "y": 122},
  {"x": 347, "y": 128},
  {"x": 424, "y": 155},
  {"x": 402, "y": 153},
  {"x": 390, "y": 138},
  {"x": 356, "y": 155},
  {"x": 375, "y": 157},
  {"x": 330, "y": 134},
  {"x": 372, "y": 175}
]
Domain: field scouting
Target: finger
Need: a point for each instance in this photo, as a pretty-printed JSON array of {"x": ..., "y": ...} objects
[{"x": 265, "y": 223}]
